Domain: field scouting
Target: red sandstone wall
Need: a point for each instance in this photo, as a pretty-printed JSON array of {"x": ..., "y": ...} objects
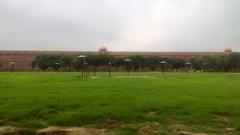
[
  {"x": 23, "y": 59},
  {"x": 22, "y": 62}
]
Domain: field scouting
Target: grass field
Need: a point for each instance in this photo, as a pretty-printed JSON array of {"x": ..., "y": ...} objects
[{"x": 206, "y": 102}]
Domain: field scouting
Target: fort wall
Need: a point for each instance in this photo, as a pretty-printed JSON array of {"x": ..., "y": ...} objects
[{"x": 23, "y": 59}]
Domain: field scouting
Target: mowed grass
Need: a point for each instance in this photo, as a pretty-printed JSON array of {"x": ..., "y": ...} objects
[{"x": 47, "y": 98}]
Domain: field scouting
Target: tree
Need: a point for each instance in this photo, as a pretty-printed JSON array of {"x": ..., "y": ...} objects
[
  {"x": 234, "y": 60},
  {"x": 197, "y": 63},
  {"x": 119, "y": 62},
  {"x": 152, "y": 62},
  {"x": 41, "y": 61},
  {"x": 65, "y": 61},
  {"x": 99, "y": 60},
  {"x": 44, "y": 62},
  {"x": 137, "y": 61},
  {"x": 229, "y": 62},
  {"x": 52, "y": 60},
  {"x": 177, "y": 63},
  {"x": 34, "y": 64},
  {"x": 76, "y": 63}
]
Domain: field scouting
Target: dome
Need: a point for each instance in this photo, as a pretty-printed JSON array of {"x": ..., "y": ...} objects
[
  {"x": 103, "y": 50},
  {"x": 228, "y": 50}
]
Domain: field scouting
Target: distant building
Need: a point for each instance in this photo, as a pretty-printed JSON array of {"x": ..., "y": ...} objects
[
  {"x": 103, "y": 50},
  {"x": 228, "y": 50},
  {"x": 23, "y": 59}
]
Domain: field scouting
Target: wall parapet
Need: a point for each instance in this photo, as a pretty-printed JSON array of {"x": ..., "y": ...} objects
[{"x": 23, "y": 58}]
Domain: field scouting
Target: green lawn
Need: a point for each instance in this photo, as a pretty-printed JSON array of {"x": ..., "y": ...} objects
[{"x": 44, "y": 99}]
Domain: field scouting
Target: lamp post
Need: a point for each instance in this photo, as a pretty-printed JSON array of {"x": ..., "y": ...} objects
[
  {"x": 204, "y": 66},
  {"x": 82, "y": 58},
  {"x": 163, "y": 66},
  {"x": 56, "y": 66},
  {"x": 128, "y": 65},
  {"x": 109, "y": 70},
  {"x": 188, "y": 66},
  {"x": 12, "y": 65},
  {"x": 85, "y": 69}
]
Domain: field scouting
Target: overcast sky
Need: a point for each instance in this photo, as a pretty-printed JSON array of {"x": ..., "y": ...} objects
[{"x": 130, "y": 25}]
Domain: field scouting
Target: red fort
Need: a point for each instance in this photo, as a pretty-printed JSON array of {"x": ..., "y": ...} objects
[{"x": 23, "y": 59}]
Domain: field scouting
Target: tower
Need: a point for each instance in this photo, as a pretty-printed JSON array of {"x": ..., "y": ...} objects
[
  {"x": 228, "y": 50},
  {"x": 103, "y": 50}
]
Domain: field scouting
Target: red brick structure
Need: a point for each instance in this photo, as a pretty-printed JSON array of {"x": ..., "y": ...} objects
[{"x": 23, "y": 59}]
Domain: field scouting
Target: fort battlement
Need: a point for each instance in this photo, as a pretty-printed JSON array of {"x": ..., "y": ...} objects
[{"x": 23, "y": 58}]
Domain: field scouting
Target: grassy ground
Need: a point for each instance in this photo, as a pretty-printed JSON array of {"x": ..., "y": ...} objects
[{"x": 197, "y": 100}]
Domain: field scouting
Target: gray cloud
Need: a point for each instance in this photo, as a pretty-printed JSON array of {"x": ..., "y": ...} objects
[{"x": 156, "y": 25}]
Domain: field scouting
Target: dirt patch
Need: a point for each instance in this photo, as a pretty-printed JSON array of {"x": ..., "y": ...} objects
[
  {"x": 151, "y": 114},
  {"x": 146, "y": 130},
  {"x": 70, "y": 131},
  {"x": 226, "y": 124},
  {"x": 52, "y": 131},
  {"x": 181, "y": 129},
  {"x": 150, "y": 128},
  {"x": 189, "y": 133},
  {"x": 111, "y": 123},
  {"x": 175, "y": 128},
  {"x": 223, "y": 119},
  {"x": 7, "y": 130},
  {"x": 230, "y": 131},
  {"x": 178, "y": 127}
]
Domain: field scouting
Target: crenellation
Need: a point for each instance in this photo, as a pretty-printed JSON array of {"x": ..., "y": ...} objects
[{"x": 23, "y": 58}]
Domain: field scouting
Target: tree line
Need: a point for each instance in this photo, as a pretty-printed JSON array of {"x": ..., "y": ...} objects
[
  {"x": 95, "y": 62},
  {"x": 222, "y": 63}
]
